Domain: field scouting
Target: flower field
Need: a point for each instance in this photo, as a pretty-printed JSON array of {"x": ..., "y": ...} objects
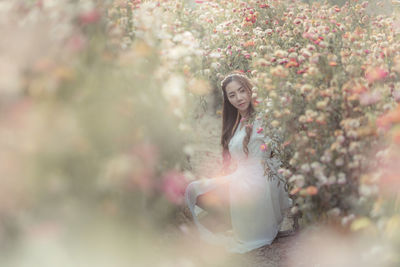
[{"x": 98, "y": 106}]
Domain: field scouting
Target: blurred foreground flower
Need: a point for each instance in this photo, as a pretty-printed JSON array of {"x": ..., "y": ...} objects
[
  {"x": 337, "y": 248},
  {"x": 375, "y": 74},
  {"x": 173, "y": 186}
]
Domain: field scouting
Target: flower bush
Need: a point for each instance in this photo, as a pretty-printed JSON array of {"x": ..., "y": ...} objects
[
  {"x": 97, "y": 112},
  {"x": 323, "y": 73},
  {"x": 322, "y": 76},
  {"x": 92, "y": 136}
]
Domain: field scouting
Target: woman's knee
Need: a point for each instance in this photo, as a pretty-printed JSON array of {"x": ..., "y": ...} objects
[{"x": 213, "y": 201}]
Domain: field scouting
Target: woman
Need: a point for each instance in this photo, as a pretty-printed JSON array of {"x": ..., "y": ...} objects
[{"x": 245, "y": 202}]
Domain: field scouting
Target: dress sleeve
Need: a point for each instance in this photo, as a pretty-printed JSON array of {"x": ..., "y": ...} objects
[{"x": 264, "y": 147}]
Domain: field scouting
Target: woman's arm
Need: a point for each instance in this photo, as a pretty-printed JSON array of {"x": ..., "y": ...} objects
[{"x": 265, "y": 148}]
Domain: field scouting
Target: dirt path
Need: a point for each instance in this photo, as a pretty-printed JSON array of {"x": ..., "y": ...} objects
[{"x": 206, "y": 161}]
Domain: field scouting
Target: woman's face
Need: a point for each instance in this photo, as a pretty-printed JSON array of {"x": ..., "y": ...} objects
[{"x": 238, "y": 96}]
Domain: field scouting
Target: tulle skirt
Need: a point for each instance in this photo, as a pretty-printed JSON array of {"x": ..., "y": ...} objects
[{"x": 257, "y": 207}]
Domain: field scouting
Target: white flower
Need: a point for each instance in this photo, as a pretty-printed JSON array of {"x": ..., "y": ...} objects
[
  {"x": 298, "y": 180},
  {"x": 178, "y": 38},
  {"x": 354, "y": 146},
  {"x": 189, "y": 175},
  {"x": 339, "y": 161},
  {"x": 305, "y": 168},
  {"x": 215, "y": 65},
  {"x": 269, "y": 31},
  {"x": 331, "y": 179},
  {"x": 305, "y": 53},
  {"x": 306, "y": 88},
  {"x": 340, "y": 139},
  {"x": 321, "y": 105},
  {"x": 352, "y": 134},
  {"x": 347, "y": 219},
  {"x": 188, "y": 150},
  {"x": 310, "y": 47},
  {"x": 286, "y": 173},
  {"x": 206, "y": 72},
  {"x": 321, "y": 177},
  {"x": 365, "y": 190},
  {"x": 327, "y": 157},
  {"x": 215, "y": 55},
  {"x": 177, "y": 52},
  {"x": 294, "y": 210},
  {"x": 173, "y": 90},
  {"x": 333, "y": 212},
  {"x": 281, "y": 54},
  {"x": 293, "y": 55},
  {"x": 316, "y": 165},
  {"x": 302, "y": 119},
  {"x": 341, "y": 180},
  {"x": 354, "y": 123}
]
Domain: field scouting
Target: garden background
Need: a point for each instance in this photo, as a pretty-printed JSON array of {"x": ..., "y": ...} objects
[{"x": 109, "y": 108}]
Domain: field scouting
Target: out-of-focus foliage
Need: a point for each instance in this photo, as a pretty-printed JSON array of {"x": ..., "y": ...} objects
[
  {"x": 97, "y": 99},
  {"x": 92, "y": 136},
  {"x": 324, "y": 76}
]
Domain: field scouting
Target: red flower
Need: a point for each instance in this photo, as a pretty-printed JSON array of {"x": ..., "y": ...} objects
[
  {"x": 302, "y": 71},
  {"x": 292, "y": 63}
]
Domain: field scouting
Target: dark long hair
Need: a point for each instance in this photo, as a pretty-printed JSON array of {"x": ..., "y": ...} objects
[{"x": 231, "y": 116}]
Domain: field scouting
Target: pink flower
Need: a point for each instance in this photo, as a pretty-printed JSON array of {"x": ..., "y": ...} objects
[
  {"x": 369, "y": 98},
  {"x": 386, "y": 120},
  {"x": 90, "y": 17},
  {"x": 297, "y": 21},
  {"x": 77, "y": 43},
  {"x": 396, "y": 95},
  {"x": 259, "y": 130},
  {"x": 264, "y": 147},
  {"x": 243, "y": 119},
  {"x": 147, "y": 155},
  {"x": 173, "y": 186},
  {"x": 364, "y": 4},
  {"x": 375, "y": 74}
]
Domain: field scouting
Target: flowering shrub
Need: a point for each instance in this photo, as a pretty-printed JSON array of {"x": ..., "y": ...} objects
[
  {"x": 322, "y": 74},
  {"x": 90, "y": 141},
  {"x": 97, "y": 109}
]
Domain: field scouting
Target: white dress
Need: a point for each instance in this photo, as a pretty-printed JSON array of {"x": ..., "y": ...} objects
[{"x": 257, "y": 205}]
